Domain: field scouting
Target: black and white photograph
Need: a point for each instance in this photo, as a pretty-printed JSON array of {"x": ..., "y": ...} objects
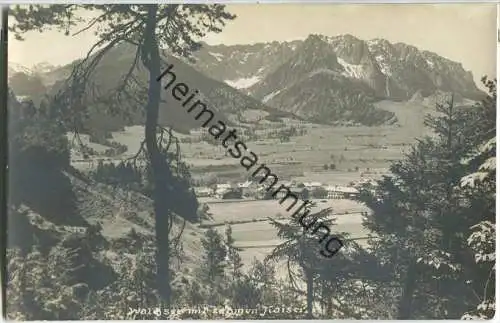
[{"x": 252, "y": 161}]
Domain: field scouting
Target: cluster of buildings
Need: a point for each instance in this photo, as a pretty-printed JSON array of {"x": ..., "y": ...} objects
[{"x": 255, "y": 190}]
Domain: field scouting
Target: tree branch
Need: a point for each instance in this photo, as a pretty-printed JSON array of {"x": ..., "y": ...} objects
[{"x": 90, "y": 24}]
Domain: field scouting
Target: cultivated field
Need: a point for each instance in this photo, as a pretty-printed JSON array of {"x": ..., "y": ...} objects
[
  {"x": 262, "y": 209},
  {"x": 371, "y": 148},
  {"x": 346, "y": 147},
  {"x": 258, "y": 238},
  {"x": 356, "y": 152}
]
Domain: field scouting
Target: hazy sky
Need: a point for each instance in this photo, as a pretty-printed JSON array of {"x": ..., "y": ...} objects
[{"x": 461, "y": 32}]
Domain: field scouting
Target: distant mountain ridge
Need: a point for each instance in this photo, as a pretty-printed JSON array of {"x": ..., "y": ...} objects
[
  {"x": 227, "y": 102},
  {"x": 333, "y": 79},
  {"x": 18, "y": 68},
  {"x": 372, "y": 61},
  {"x": 37, "y": 69}
]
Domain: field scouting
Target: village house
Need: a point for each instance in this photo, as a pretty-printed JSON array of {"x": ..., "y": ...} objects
[
  {"x": 249, "y": 188},
  {"x": 198, "y": 133},
  {"x": 232, "y": 193},
  {"x": 348, "y": 192},
  {"x": 245, "y": 185},
  {"x": 221, "y": 189},
  {"x": 341, "y": 192},
  {"x": 333, "y": 192},
  {"x": 300, "y": 192},
  {"x": 312, "y": 185},
  {"x": 203, "y": 191}
]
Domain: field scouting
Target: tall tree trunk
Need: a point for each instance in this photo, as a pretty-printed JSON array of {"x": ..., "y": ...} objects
[
  {"x": 405, "y": 303},
  {"x": 150, "y": 55},
  {"x": 327, "y": 300},
  {"x": 4, "y": 93},
  {"x": 310, "y": 288}
]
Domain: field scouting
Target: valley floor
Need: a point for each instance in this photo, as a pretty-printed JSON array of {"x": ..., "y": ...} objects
[{"x": 357, "y": 152}]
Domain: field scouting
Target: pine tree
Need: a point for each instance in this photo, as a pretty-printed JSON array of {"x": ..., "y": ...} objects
[
  {"x": 301, "y": 249},
  {"x": 34, "y": 293},
  {"x": 39, "y": 155},
  {"x": 479, "y": 188},
  {"x": 148, "y": 28},
  {"x": 211, "y": 271},
  {"x": 263, "y": 274},
  {"x": 233, "y": 257},
  {"x": 420, "y": 221}
]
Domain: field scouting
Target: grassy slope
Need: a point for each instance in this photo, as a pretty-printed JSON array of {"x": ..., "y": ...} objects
[
  {"x": 118, "y": 212},
  {"x": 219, "y": 97}
]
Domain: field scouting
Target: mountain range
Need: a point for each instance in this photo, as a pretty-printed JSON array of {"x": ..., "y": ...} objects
[
  {"x": 394, "y": 71},
  {"x": 40, "y": 68},
  {"x": 321, "y": 79}
]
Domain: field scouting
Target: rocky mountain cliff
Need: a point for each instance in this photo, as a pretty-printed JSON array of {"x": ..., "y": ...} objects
[
  {"x": 335, "y": 78},
  {"x": 243, "y": 65},
  {"x": 376, "y": 62}
]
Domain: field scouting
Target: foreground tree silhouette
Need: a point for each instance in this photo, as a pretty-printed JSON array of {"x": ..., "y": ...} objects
[
  {"x": 211, "y": 271},
  {"x": 147, "y": 28},
  {"x": 417, "y": 200},
  {"x": 422, "y": 216},
  {"x": 301, "y": 248},
  {"x": 479, "y": 187}
]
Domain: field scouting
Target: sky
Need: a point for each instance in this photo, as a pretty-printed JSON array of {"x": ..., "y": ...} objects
[{"x": 466, "y": 33}]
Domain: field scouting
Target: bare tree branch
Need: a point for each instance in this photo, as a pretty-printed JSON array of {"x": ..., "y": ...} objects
[{"x": 90, "y": 24}]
